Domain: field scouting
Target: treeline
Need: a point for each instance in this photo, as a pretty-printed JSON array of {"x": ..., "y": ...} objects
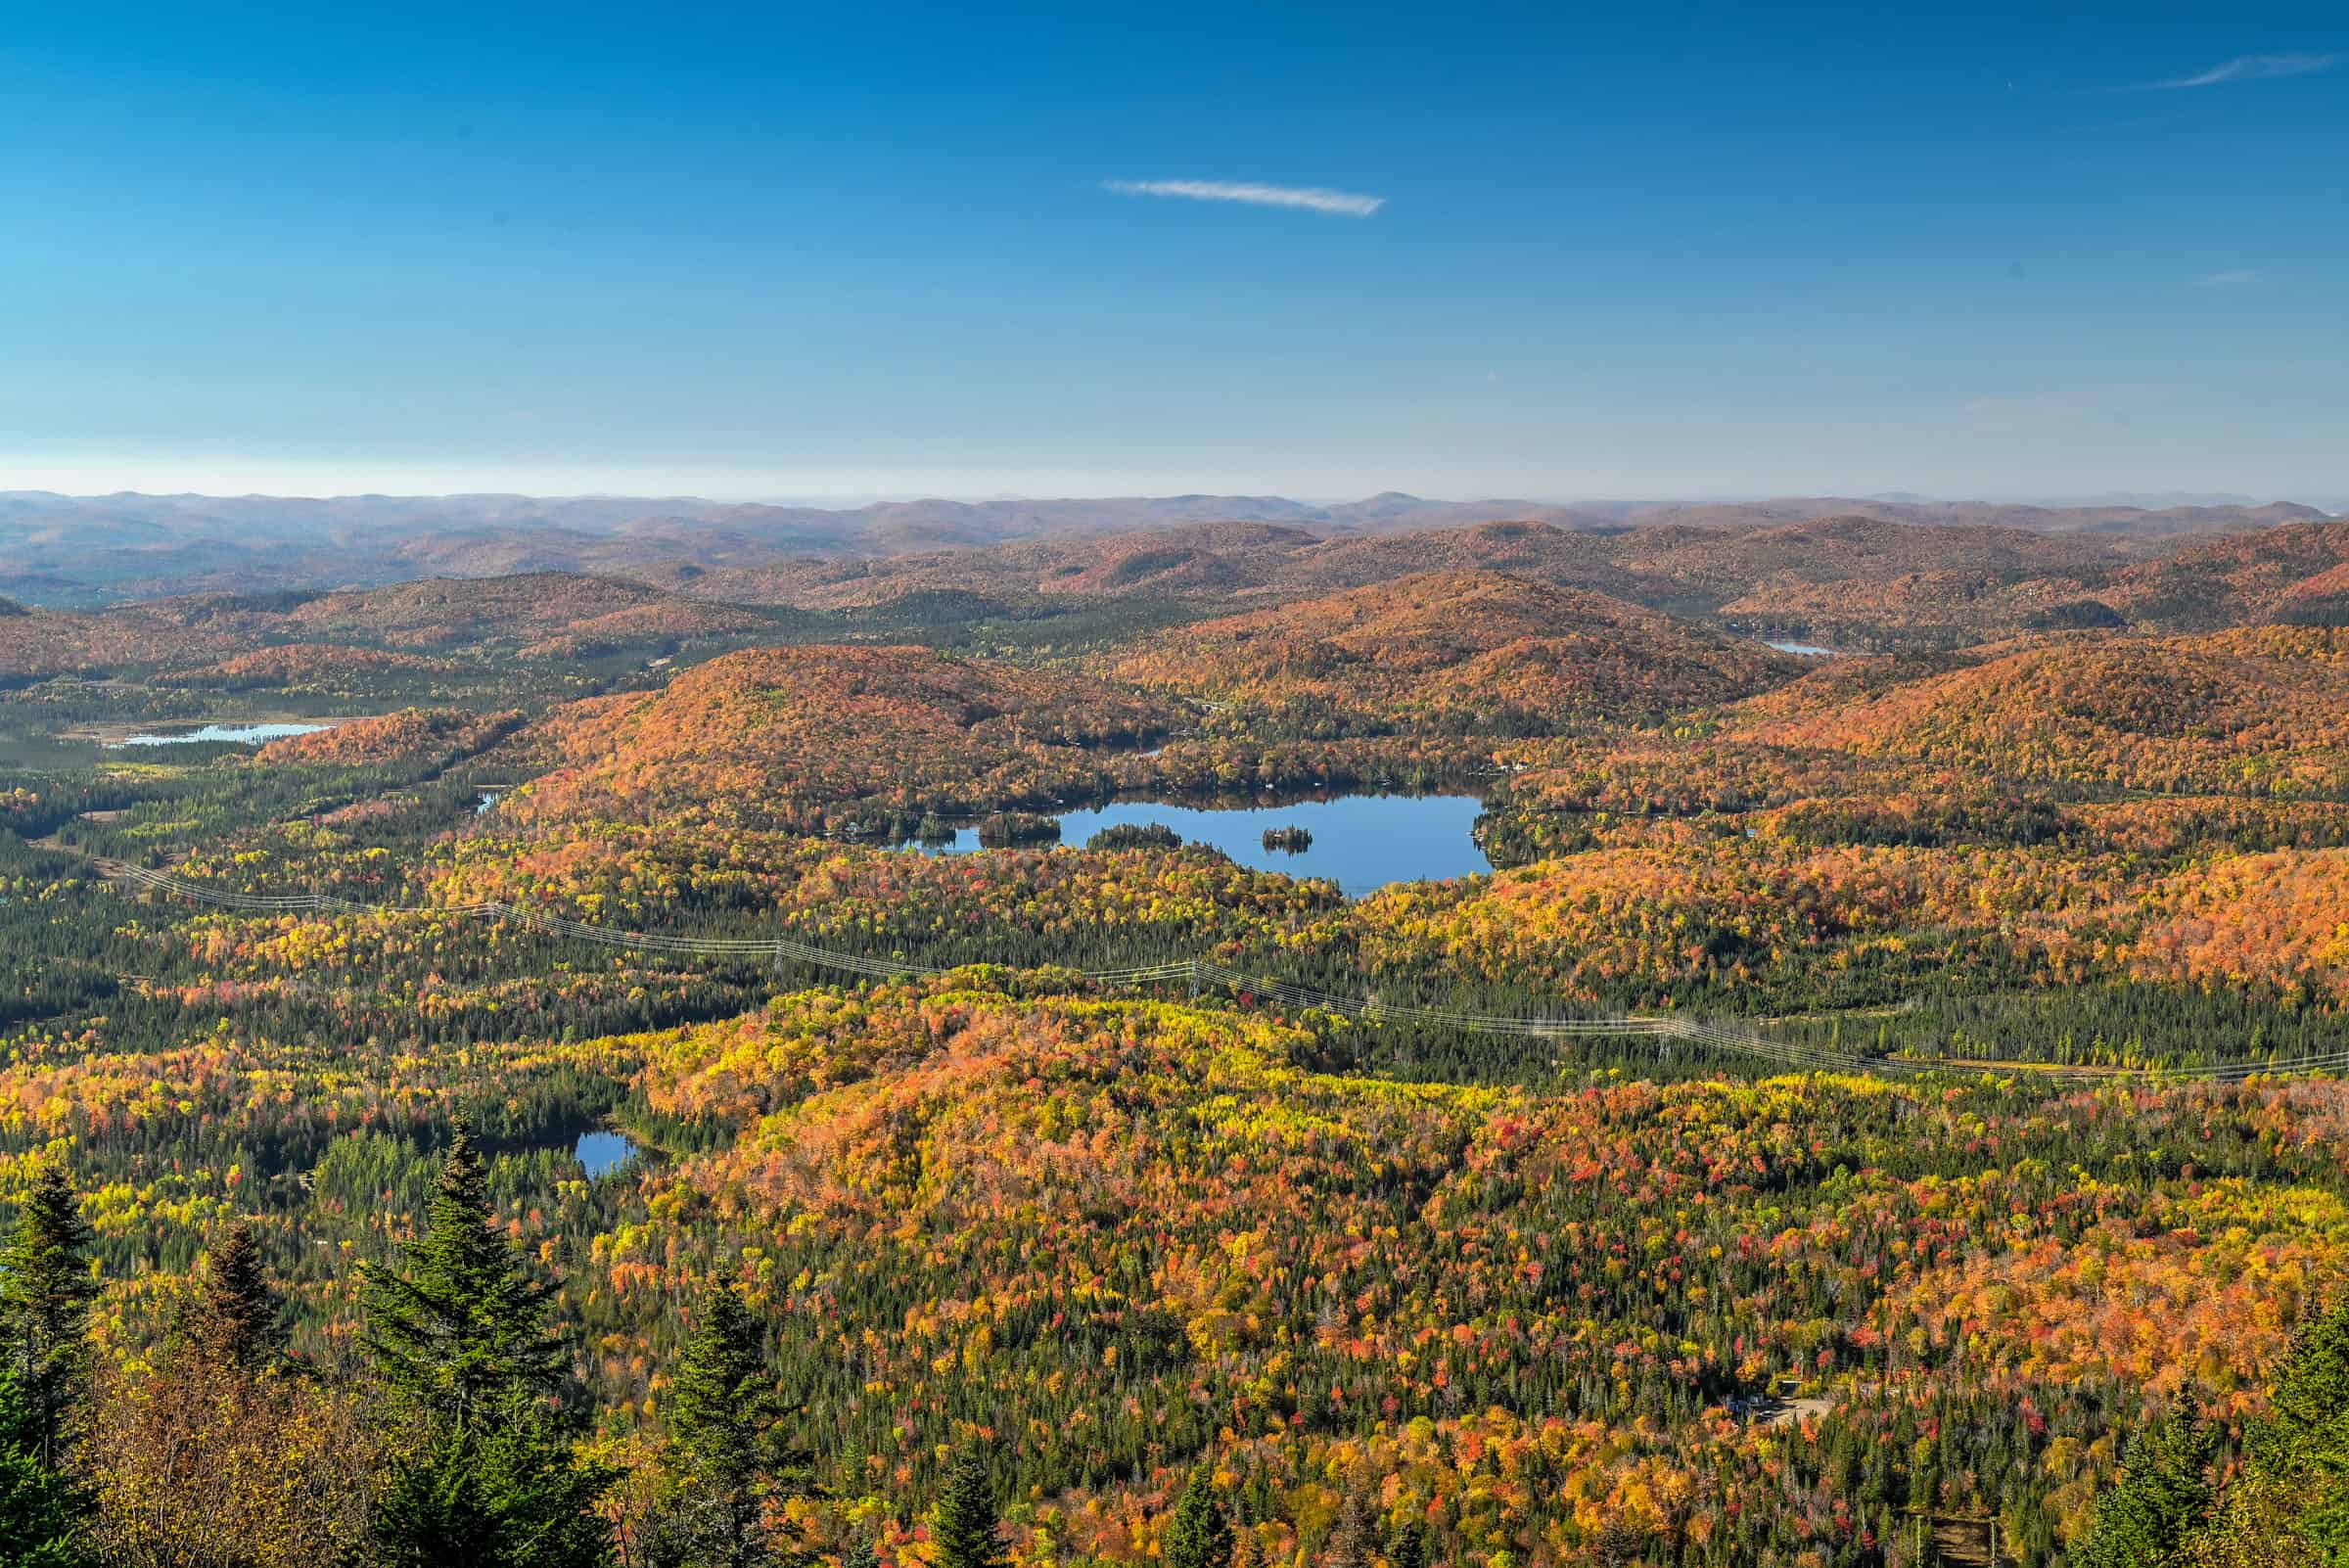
[{"x": 463, "y": 1439}]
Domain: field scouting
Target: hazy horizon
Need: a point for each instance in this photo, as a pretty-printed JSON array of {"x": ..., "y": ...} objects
[{"x": 853, "y": 500}]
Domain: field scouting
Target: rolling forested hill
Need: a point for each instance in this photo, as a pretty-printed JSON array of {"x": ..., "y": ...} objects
[{"x": 1845, "y": 1104}]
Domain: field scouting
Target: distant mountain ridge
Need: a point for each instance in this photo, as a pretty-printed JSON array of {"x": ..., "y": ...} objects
[
  {"x": 68, "y": 551},
  {"x": 1240, "y": 592}
]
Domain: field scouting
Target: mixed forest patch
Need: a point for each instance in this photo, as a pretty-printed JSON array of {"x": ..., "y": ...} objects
[{"x": 1111, "y": 1200}]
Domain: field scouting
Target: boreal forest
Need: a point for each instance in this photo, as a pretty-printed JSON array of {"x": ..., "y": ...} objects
[{"x": 1732, "y": 1040}]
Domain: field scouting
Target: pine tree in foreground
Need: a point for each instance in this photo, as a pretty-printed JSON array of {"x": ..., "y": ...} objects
[
  {"x": 1199, "y": 1534},
  {"x": 2162, "y": 1497},
  {"x": 487, "y": 1475},
  {"x": 964, "y": 1531},
  {"x": 464, "y": 1333},
  {"x": 46, "y": 1288},
  {"x": 40, "y": 1509},
  {"x": 236, "y": 1320},
  {"x": 729, "y": 1456},
  {"x": 2303, "y": 1445}
]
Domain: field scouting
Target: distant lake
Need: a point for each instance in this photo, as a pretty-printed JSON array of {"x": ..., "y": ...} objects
[
  {"x": 603, "y": 1151},
  {"x": 1808, "y": 650},
  {"x": 243, "y": 734},
  {"x": 1360, "y": 841}
]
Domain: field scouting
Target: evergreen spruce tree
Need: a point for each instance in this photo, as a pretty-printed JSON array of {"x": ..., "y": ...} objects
[
  {"x": 46, "y": 1288},
  {"x": 860, "y": 1552},
  {"x": 725, "y": 1418},
  {"x": 461, "y": 1341},
  {"x": 964, "y": 1531},
  {"x": 2159, "y": 1501},
  {"x": 236, "y": 1320},
  {"x": 464, "y": 1334},
  {"x": 1409, "y": 1549},
  {"x": 2303, "y": 1445},
  {"x": 40, "y": 1509},
  {"x": 1199, "y": 1534}
]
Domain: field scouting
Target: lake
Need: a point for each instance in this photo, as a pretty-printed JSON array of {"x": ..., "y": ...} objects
[
  {"x": 1808, "y": 650},
  {"x": 1360, "y": 841},
  {"x": 602, "y": 1151},
  {"x": 252, "y": 734}
]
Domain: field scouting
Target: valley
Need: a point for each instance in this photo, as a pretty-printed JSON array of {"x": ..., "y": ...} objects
[{"x": 1492, "y": 1031}]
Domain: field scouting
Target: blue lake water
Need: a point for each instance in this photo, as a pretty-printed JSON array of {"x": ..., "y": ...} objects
[
  {"x": 602, "y": 1151},
  {"x": 1808, "y": 650},
  {"x": 245, "y": 734},
  {"x": 1360, "y": 841}
]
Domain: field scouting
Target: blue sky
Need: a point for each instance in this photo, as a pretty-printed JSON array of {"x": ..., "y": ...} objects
[{"x": 1640, "y": 252}]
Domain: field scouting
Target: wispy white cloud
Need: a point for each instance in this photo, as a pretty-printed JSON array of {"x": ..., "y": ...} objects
[
  {"x": 2234, "y": 278},
  {"x": 2249, "y": 68},
  {"x": 1312, "y": 197}
]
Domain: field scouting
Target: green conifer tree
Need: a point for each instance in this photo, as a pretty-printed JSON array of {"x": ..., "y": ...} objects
[
  {"x": 2162, "y": 1497},
  {"x": 725, "y": 1418},
  {"x": 463, "y": 1334},
  {"x": 1199, "y": 1534},
  {"x": 236, "y": 1320},
  {"x": 964, "y": 1531},
  {"x": 2303, "y": 1445},
  {"x": 462, "y": 1343},
  {"x": 40, "y": 1510},
  {"x": 46, "y": 1288},
  {"x": 1409, "y": 1549}
]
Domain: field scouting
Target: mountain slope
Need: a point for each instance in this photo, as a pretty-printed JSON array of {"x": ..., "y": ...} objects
[
  {"x": 85, "y": 550},
  {"x": 2263, "y": 710},
  {"x": 2289, "y": 573},
  {"x": 1457, "y": 649},
  {"x": 822, "y": 737}
]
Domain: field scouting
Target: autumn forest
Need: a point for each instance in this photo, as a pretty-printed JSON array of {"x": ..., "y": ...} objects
[{"x": 633, "y": 1066}]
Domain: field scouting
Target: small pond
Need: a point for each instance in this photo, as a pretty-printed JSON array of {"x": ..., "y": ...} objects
[
  {"x": 252, "y": 734},
  {"x": 602, "y": 1151},
  {"x": 1808, "y": 650},
  {"x": 1360, "y": 841}
]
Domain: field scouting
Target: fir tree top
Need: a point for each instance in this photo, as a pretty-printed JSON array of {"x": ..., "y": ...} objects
[
  {"x": 237, "y": 1319},
  {"x": 2161, "y": 1497},
  {"x": 722, "y": 1405},
  {"x": 964, "y": 1529},
  {"x": 1199, "y": 1534},
  {"x": 463, "y": 1334},
  {"x": 46, "y": 1288},
  {"x": 45, "y": 1279}
]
